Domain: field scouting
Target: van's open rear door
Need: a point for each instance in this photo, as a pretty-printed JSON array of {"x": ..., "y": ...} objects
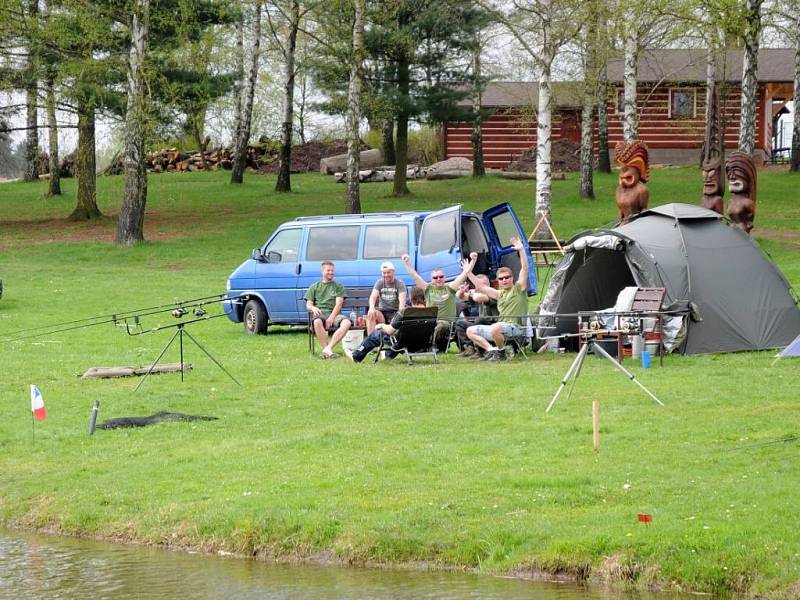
[
  {"x": 439, "y": 244},
  {"x": 502, "y": 224}
]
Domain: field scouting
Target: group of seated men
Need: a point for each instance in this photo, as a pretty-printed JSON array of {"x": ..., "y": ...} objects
[{"x": 501, "y": 310}]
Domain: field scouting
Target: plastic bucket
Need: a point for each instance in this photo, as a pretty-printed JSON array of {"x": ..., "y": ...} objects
[
  {"x": 352, "y": 340},
  {"x": 637, "y": 345}
]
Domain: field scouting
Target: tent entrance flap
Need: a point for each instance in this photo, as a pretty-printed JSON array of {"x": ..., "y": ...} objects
[{"x": 594, "y": 284}]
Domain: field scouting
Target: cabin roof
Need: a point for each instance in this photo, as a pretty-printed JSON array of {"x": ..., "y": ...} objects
[{"x": 670, "y": 66}]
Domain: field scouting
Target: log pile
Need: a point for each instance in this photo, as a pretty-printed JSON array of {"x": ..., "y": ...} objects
[{"x": 169, "y": 160}]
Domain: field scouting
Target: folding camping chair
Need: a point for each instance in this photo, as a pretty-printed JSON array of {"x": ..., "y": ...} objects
[{"x": 414, "y": 335}]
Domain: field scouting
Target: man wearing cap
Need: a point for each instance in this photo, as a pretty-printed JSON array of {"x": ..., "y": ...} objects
[{"x": 387, "y": 297}]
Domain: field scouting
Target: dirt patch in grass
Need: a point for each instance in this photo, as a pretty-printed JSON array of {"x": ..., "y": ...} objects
[
  {"x": 159, "y": 226},
  {"x": 790, "y": 238}
]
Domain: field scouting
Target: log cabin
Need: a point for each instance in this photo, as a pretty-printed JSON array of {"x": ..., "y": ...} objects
[{"x": 671, "y": 99}]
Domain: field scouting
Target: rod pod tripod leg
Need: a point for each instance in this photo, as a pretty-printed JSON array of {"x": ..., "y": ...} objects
[
  {"x": 179, "y": 333},
  {"x": 575, "y": 369}
]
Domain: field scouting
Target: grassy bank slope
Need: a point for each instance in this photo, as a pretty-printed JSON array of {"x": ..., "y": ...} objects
[{"x": 456, "y": 464}]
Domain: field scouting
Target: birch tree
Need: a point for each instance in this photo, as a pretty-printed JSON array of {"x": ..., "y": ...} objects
[
  {"x": 353, "y": 203},
  {"x": 640, "y": 25},
  {"x": 130, "y": 225},
  {"x": 541, "y": 27},
  {"x": 245, "y": 102},
  {"x": 587, "y": 119},
  {"x": 749, "y": 104}
]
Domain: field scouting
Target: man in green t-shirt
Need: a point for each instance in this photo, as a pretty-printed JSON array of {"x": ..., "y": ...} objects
[
  {"x": 324, "y": 300},
  {"x": 442, "y": 295},
  {"x": 512, "y": 304}
]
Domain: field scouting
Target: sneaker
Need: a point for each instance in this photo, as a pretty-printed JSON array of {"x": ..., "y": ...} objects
[
  {"x": 468, "y": 351},
  {"x": 497, "y": 355},
  {"x": 488, "y": 354}
]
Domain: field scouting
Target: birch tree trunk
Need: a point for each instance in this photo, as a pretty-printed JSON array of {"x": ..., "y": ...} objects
[
  {"x": 284, "y": 183},
  {"x": 478, "y": 168},
  {"x": 85, "y": 164},
  {"x": 795, "y": 163},
  {"x": 603, "y": 158},
  {"x": 31, "y": 101},
  {"x": 587, "y": 143},
  {"x": 747, "y": 123},
  {"x": 54, "y": 188},
  {"x": 544, "y": 130},
  {"x": 630, "y": 78},
  {"x": 353, "y": 201},
  {"x": 130, "y": 225},
  {"x": 587, "y": 117},
  {"x": 240, "y": 149},
  {"x": 601, "y": 55},
  {"x": 399, "y": 187}
]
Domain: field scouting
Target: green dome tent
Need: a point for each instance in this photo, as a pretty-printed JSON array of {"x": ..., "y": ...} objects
[{"x": 725, "y": 295}]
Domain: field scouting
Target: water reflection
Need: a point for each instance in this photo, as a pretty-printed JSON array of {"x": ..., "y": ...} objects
[{"x": 36, "y": 566}]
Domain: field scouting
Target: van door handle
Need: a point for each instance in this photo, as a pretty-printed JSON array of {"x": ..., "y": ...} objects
[{"x": 298, "y": 269}]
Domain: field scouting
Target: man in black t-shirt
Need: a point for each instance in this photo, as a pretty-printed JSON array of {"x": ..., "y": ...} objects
[{"x": 375, "y": 339}]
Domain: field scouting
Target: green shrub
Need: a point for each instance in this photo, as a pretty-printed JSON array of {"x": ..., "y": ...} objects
[{"x": 425, "y": 146}]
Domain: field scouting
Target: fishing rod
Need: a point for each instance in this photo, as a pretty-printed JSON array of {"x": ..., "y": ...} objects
[
  {"x": 115, "y": 318},
  {"x": 199, "y": 313}
]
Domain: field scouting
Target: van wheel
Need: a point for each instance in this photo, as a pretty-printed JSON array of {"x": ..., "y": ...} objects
[{"x": 254, "y": 318}]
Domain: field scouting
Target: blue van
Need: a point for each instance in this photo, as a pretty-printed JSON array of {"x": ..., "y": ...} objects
[{"x": 268, "y": 287}]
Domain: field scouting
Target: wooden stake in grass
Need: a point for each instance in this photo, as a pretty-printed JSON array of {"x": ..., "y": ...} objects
[{"x": 596, "y": 425}]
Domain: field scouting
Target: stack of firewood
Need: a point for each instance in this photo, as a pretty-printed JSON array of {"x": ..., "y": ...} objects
[{"x": 172, "y": 160}]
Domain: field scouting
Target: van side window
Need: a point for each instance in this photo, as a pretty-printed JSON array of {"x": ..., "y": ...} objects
[
  {"x": 285, "y": 243},
  {"x": 440, "y": 235},
  {"x": 505, "y": 227},
  {"x": 386, "y": 241},
  {"x": 333, "y": 243}
]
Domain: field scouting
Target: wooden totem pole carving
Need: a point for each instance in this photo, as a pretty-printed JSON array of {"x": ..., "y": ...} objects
[
  {"x": 713, "y": 185},
  {"x": 741, "y": 172},
  {"x": 632, "y": 193}
]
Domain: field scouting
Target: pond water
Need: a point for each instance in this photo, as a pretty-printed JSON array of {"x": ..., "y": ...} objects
[{"x": 38, "y": 566}]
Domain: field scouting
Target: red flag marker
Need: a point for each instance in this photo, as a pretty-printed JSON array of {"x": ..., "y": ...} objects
[{"x": 644, "y": 518}]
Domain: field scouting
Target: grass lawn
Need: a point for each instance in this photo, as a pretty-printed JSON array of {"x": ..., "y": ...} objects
[{"x": 455, "y": 465}]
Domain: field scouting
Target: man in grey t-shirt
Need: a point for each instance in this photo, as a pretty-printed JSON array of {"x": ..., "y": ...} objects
[{"x": 387, "y": 297}]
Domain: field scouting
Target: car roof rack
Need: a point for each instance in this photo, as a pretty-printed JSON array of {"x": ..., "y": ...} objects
[{"x": 357, "y": 216}]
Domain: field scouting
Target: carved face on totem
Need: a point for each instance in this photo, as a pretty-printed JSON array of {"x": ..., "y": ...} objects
[
  {"x": 741, "y": 172},
  {"x": 629, "y": 177},
  {"x": 738, "y": 181},
  {"x": 712, "y": 177}
]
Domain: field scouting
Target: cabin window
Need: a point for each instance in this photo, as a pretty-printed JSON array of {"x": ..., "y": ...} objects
[
  {"x": 681, "y": 104},
  {"x": 620, "y": 106},
  {"x": 386, "y": 241},
  {"x": 333, "y": 243}
]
